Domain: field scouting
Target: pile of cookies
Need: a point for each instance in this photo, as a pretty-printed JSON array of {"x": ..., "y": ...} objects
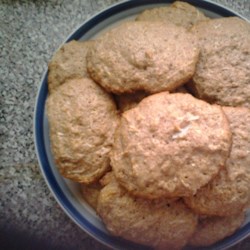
[{"x": 152, "y": 118}]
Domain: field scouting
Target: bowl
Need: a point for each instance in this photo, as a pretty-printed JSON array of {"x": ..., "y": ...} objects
[{"x": 67, "y": 193}]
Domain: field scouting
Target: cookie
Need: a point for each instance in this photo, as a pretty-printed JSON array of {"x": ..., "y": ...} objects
[
  {"x": 179, "y": 13},
  {"x": 149, "y": 56},
  {"x": 69, "y": 62},
  {"x": 82, "y": 120},
  {"x": 213, "y": 229},
  {"x": 107, "y": 178},
  {"x": 90, "y": 193},
  {"x": 160, "y": 224},
  {"x": 128, "y": 101},
  {"x": 229, "y": 192},
  {"x": 222, "y": 73},
  {"x": 170, "y": 145}
]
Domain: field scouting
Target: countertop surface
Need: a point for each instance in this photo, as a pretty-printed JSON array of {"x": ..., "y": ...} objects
[{"x": 30, "y": 32}]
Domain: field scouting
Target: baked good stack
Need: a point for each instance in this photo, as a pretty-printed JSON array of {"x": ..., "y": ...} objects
[{"x": 152, "y": 118}]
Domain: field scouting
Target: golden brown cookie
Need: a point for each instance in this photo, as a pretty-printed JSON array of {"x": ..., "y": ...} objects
[
  {"x": 213, "y": 229},
  {"x": 179, "y": 13},
  {"x": 149, "y": 56},
  {"x": 161, "y": 224},
  {"x": 170, "y": 145},
  {"x": 90, "y": 193},
  {"x": 82, "y": 120},
  {"x": 107, "y": 178},
  {"x": 69, "y": 62},
  {"x": 222, "y": 73},
  {"x": 229, "y": 192}
]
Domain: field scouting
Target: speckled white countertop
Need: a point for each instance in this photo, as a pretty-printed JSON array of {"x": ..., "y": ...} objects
[{"x": 30, "y": 31}]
